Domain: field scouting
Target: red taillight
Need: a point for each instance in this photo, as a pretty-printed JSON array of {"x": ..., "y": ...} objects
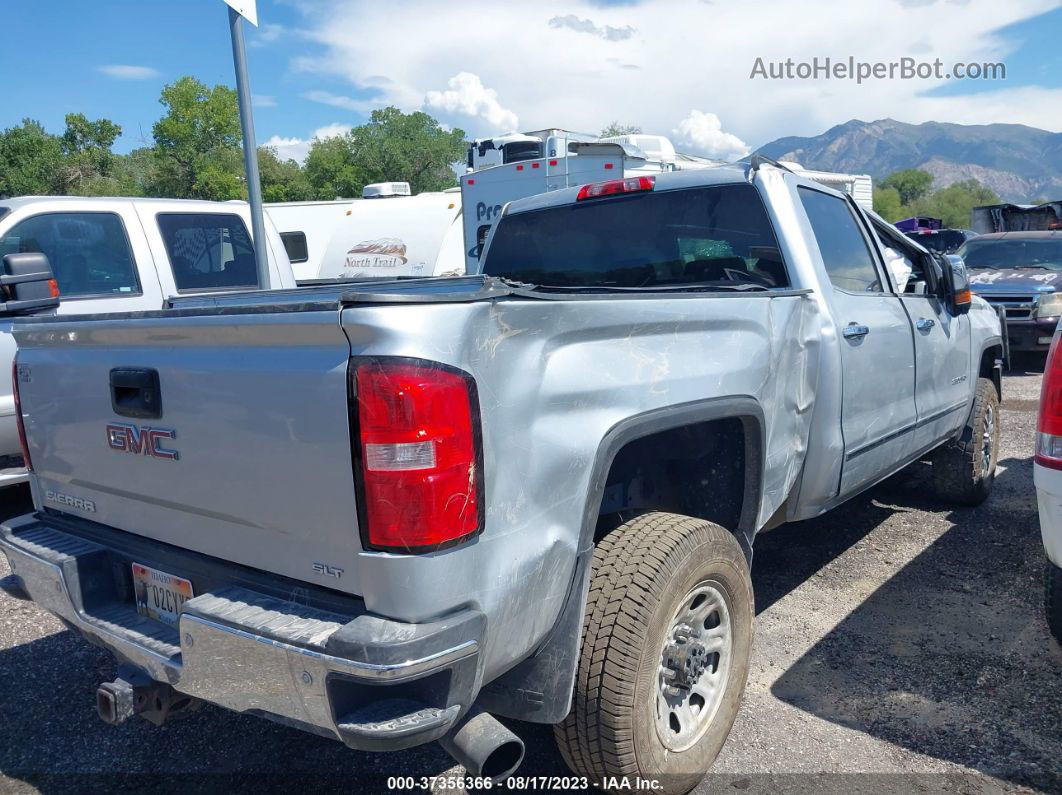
[
  {"x": 615, "y": 187},
  {"x": 53, "y": 288},
  {"x": 18, "y": 418},
  {"x": 418, "y": 454},
  {"x": 1049, "y": 426}
]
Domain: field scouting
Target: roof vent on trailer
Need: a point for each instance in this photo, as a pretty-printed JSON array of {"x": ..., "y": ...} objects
[{"x": 384, "y": 190}]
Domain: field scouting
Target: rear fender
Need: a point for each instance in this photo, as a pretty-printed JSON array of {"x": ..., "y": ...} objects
[{"x": 539, "y": 689}]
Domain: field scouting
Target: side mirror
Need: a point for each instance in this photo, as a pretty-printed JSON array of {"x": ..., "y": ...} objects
[
  {"x": 957, "y": 284},
  {"x": 27, "y": 284}
]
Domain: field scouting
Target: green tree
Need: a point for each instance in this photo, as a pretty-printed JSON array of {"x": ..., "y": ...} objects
[
  {"x": 615, "y": 128},
  {"x": 391, "y": 146},
  {"x": 953, "y": 203},
  {"x": 135, "y": 174},
  {"x": 887, "y": 204},
  {"x": 197, "y": 142},
  {"x": 88, "y": 161},
  {"x": 282, "y": 180},
  {"x": 912, "y": 184},
  {"x": 330, "y": 168},
  {"x": 409, "y": 148},
  {"x": 30, "y": 160}
]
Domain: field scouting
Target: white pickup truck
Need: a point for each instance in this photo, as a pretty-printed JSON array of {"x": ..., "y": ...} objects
[{"x": 127, "y": 255}]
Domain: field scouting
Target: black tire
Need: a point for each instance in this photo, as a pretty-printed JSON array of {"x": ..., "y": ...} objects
[
  {"x": 1053, "y": 600},
  {"x": 959, "y": 471},
  {"x": 642, "y": 574}
]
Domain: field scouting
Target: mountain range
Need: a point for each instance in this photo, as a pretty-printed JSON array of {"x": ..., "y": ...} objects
[{"x": 1019, "y": 163}]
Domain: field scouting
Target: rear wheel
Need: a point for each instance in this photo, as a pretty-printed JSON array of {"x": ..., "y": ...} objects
[
  {"x": 665, "y": 653},
  {"x": 965, "y": 469}
]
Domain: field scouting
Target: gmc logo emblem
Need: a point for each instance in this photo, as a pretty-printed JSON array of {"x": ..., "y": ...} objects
[{"x": 128, "y": 438}]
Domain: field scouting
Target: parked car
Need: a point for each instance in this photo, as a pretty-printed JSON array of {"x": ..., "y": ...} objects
[
  {"x": 123, "y": 255},
  {"x": 385, "y": 512},
  {"x": 1047, "y": 475},
  {"x": 1022, "y": 273},
  {"x": 946, "y": 241}
]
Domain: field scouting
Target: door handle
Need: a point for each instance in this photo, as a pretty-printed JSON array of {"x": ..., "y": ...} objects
[
  {"x": 925, "y": 323},
  {"x": 855, "y": 331}
]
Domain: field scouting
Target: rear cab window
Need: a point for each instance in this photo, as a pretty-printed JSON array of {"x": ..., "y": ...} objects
[
  {"x": 208, "y": 251},
  {"x": 89, "y": 251},
  {"x": 716, "y": 235}
]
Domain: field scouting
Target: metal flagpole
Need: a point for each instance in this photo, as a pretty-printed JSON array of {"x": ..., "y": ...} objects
[{"x": 250, "y": 149}]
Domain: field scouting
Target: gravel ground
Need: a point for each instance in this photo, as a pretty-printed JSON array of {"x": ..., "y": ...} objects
[{"x": 899, "y": 646}]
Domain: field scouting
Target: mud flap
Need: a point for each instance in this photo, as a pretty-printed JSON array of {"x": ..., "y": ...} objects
[{"x": 539, "y": 689}]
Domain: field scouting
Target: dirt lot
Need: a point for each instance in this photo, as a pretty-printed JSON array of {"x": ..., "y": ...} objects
[{"x": 899, "y": 646}]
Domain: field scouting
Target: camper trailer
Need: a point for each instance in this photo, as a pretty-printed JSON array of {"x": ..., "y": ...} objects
[{"x": 386, "y": 233}]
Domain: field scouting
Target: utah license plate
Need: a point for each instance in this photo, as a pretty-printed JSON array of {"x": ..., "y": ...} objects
[{"x": 160, "y": 595}]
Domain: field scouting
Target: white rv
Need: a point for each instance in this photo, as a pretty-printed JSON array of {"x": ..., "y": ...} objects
[
  {"x": 859, "y": 186},
  {"x": 386, "y": 233},
  {"x": 403, "y": 236},
  {"x": 306, "y": 228}
]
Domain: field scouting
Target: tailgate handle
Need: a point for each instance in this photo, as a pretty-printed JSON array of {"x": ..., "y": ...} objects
[{"x": 135, "y": 392}]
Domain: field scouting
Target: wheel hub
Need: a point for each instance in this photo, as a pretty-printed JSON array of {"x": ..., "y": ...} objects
[
  {"x": 694, "y": 663},
  {"x": 685, "y": 658}
]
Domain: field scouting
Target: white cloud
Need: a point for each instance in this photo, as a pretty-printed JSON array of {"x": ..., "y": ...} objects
[
  {"x": 685, "y": 54},
  {"x": 339, "y": 101},
  {"x": 607, "y": 32},
  {"x": 467, "y": 96},
  {"x": 702, "y": 133},
  {"x": 295, "y": 148},
  {"x": 128, "y": 72},
  {"x": 263, "y": 101},
  {"x": 267, "y": 33}
]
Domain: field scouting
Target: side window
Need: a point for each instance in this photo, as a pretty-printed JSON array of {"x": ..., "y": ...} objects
[
  {"x": 89, "y": 252},
  {"x": 848, "y": 260},
  {"x": 295, "y": 245},
  {"x": 208, "y": 251}
]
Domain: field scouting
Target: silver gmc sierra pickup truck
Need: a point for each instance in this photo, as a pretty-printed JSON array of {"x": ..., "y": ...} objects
[{"x": 387, "y": 512}]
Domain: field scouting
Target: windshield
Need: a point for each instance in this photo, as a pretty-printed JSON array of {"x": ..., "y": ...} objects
[
  {"x": 1002, "y": 252},
  {"x": 717, "y": 235}
]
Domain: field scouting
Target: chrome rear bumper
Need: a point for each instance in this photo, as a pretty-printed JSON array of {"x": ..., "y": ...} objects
[{"x": 370, "y": 682}]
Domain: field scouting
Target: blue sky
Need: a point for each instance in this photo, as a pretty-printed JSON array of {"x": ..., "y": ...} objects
[{"x": 678, "y": 67}]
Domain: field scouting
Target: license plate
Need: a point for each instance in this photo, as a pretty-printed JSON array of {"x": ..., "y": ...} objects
[{"x": 160, "y": 595}]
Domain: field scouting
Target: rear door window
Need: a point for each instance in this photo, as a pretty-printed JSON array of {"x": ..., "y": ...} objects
[
  {"x": 844, "y": 250},
  {"x": 208, "y": 251},
  {"x": 701, "y": 236},
  {"x": 89, "y": 252}
]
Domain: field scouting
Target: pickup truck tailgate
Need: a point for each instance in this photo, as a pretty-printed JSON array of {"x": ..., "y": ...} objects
[{"x": 246, "y": 457}]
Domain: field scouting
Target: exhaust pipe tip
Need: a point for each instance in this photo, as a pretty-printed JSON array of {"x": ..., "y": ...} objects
[
  {"x": 503, "y": 761},
  {"x": 484, "y": 746}
]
